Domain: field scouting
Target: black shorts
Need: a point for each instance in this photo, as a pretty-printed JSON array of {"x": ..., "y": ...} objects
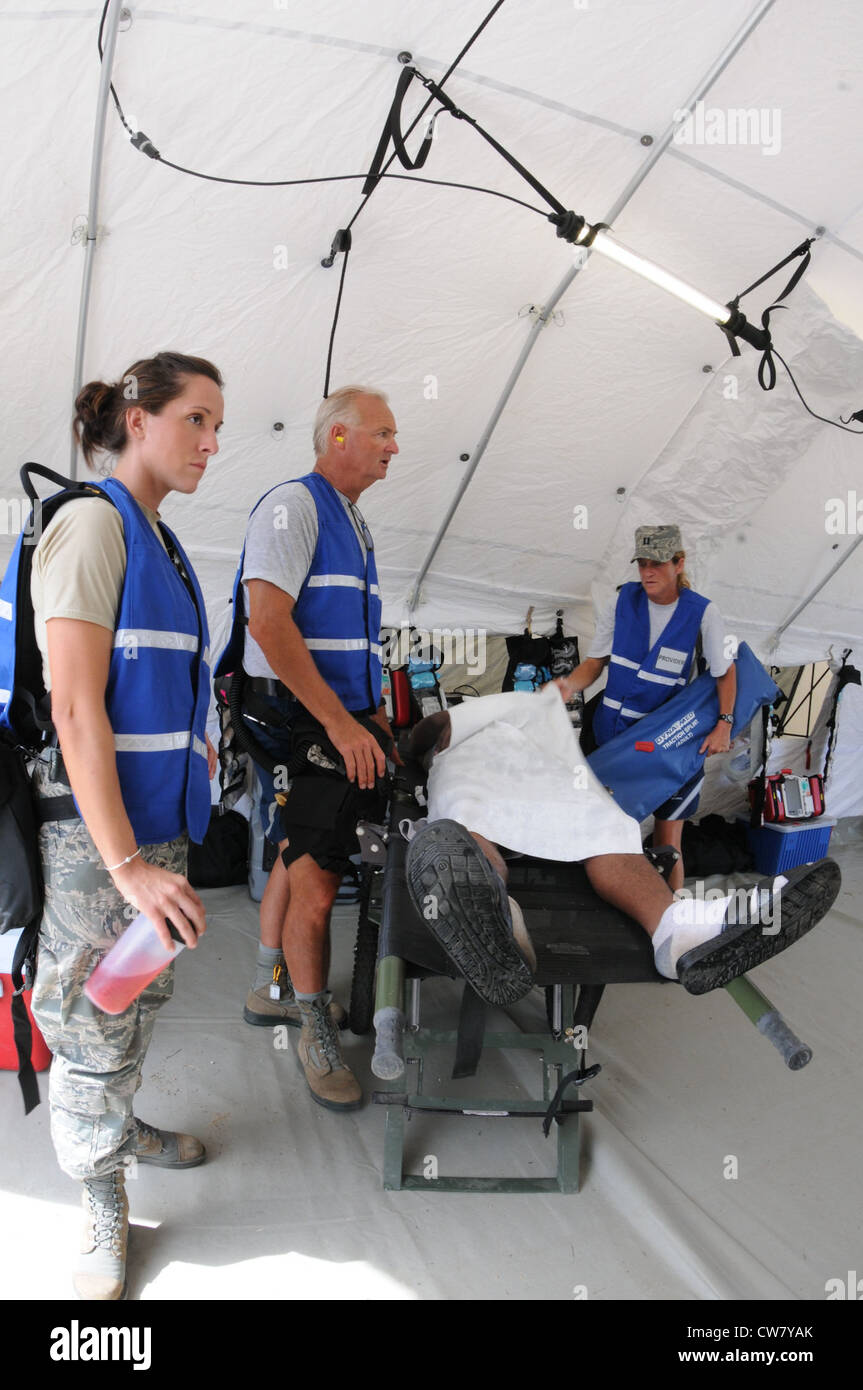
[{"x": 323, "y": 808}]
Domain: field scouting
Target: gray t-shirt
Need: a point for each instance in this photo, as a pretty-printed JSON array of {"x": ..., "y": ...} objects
[
  {"x": 713, "y": 634},
  {"x": 280, "y": 546}
]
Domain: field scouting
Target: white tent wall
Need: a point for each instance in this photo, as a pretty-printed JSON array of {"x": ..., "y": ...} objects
[{"x": 440, "y": 280}]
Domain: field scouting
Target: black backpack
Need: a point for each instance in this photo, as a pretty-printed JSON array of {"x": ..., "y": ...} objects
[{"x": 30, "y": 734}]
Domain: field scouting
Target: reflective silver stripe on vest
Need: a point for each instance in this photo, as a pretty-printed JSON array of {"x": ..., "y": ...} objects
[
  {"x": 206, "y": 657},
  {"x": 624, "y": 661},
  {"x": 661, "y": 680},
  {"x": 375, "y": 590},
  {"x": 5, "y": 697},
  {"x": 375, "y": 649},
  {"x": 337, "y": 644},
  {"x": 198, "y": 746},
  {"x": 344, "y": 581},
  {"x": 5, "y": 610},
  {"x": 149, "y": 637},
  {"x": 629, "y": 713},
  {"x": 156, "y": 743}
]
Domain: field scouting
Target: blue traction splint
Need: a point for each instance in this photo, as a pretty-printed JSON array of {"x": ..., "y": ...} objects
[{"x": 648, "y": 762}]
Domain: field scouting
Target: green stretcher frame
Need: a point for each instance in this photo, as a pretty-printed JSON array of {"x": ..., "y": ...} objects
[{"x": 557, "y": 1057}]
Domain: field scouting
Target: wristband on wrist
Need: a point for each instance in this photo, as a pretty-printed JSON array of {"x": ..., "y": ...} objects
[{"x": 127, "y": 860}]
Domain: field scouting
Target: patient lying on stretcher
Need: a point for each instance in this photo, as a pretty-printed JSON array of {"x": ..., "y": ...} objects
[{"x": 507, "y": 771}]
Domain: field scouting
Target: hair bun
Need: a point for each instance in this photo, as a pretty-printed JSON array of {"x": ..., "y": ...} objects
[{"x": 92, "y": 401}]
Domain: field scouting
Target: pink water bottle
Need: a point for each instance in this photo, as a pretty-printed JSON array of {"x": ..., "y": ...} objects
[{"x": 132, "y": 962}]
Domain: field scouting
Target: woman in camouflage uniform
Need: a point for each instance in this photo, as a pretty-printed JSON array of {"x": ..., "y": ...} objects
[{"x": 138, "y": 797}]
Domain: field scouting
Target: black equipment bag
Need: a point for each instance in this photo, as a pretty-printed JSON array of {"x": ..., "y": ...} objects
[
  {"x": 28, "y": 714},
  {"x": 222, "y": 860}
]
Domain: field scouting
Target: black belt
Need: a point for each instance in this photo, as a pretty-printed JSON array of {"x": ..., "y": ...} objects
[{"x": 264, "y": 685}]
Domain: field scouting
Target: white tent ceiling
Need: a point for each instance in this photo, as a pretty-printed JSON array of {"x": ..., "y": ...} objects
[{"x": 614, "y": 395}]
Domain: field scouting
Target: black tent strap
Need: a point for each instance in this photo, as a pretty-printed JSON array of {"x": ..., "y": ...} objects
[
  {"x": 392, "y": 131},
  {"x": 460, "y": 115},
  {"x": 801, "y": 250},
  {"x": 767, "y": 367}
]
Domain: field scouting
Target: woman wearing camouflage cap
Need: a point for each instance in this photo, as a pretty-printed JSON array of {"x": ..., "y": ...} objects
[{"x": 651, "y": 637}]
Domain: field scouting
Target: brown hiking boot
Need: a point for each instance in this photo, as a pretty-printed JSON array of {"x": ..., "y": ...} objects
[
  {"x": 101, "y": 1272},
  {"x": 263, "y": 1011},
  {"x": 331, "y": 1082}
]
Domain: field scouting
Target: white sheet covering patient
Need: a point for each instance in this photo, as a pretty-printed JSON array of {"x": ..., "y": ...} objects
[{"x": 515, "y": 773}]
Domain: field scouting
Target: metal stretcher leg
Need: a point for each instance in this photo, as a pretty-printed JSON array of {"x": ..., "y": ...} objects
[{"x": 557, "y": 1057}]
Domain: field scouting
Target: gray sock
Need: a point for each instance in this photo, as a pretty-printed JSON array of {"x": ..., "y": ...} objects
[
  {"x": 322, "y": 994},
  {"x": 268, "y": 958}
]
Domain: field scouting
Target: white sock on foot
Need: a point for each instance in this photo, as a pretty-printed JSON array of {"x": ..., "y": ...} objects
[{"x": 687, "y": 923}]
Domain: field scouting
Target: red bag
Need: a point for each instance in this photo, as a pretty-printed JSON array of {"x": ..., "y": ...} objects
[{"x": 39, "y": 1054}]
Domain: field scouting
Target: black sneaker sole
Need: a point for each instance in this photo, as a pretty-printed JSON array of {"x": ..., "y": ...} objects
[
  {"x": 471, "y": 919},
  {"x": 270, "y": 1020},
  {"x": 808, "y": 896}
]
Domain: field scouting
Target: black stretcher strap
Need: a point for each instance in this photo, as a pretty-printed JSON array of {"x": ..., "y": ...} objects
[
  {"x": 471, "y": 1031},
  {"x": 572, "y": 1078}
]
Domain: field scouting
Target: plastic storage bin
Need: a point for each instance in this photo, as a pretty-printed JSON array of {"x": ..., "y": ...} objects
[{"x": 778, "y": 847}]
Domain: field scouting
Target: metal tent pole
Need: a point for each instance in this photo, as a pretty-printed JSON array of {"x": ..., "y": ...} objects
[
  {"x": 774, "y": 637},
  {"x": 617, "y": 207},
  {"x": 111, "y": 27}
]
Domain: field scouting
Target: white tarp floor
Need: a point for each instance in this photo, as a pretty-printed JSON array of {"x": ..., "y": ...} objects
[{"x": 290, "y": 1202}]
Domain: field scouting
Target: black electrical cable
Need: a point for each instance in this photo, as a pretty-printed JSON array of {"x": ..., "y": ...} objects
[
  {"x": 341, "y": 178},
  {"x": 825, "y": 418},
  {"x": 325, "y": 178},
  {"x": 336, "y": 320}
]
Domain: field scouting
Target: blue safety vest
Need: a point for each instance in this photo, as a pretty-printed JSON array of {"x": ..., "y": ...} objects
[
  {"x": 645, "y": 765},
  {"x": 338, "y": 608},
  {"x": 158, "y": 688},
  {"x": 641, "y": 677}
]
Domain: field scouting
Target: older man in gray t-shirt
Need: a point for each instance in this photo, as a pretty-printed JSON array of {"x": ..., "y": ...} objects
[{"x": 354, "y": 443}]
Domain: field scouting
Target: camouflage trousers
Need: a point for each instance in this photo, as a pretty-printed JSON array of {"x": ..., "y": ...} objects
[{"x": 97, "y": 1057}]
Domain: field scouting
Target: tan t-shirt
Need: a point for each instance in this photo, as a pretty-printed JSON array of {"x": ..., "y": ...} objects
[{"x": 79, "y": 567}]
